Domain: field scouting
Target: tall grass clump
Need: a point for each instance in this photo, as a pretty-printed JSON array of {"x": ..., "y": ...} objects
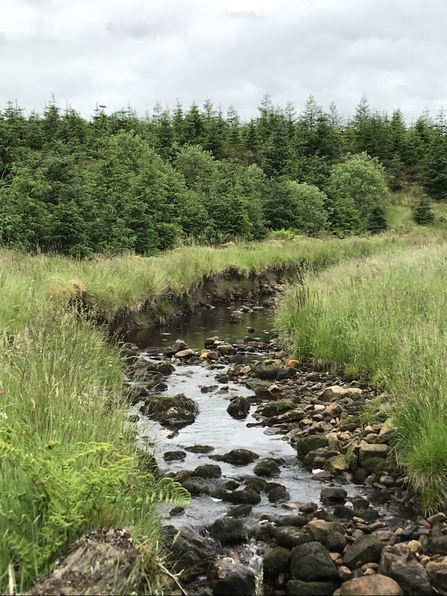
[
  {"x": 386, "y": 318},
  {"x": 68, "y": 462}
]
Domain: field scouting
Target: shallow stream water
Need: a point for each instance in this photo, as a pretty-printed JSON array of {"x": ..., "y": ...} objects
[{"x": 215, "y": 427}]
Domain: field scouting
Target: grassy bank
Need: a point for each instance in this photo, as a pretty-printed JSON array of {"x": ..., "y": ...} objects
[
  {"x": 110, "y": 287},
  {"x": 67, "y": 459},
  {"x": 386, "y": 317}
]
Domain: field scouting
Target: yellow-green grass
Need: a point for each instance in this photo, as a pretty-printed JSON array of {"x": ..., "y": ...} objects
[
  {"x": 32, "y": 284},
  {"x": 386, "y": 317}
]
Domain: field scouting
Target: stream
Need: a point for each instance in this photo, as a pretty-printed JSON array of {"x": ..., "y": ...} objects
[{"x": 214, "y": 426}]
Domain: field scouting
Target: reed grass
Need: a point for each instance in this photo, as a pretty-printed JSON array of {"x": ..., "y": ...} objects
[{"x": 386, "y": 318}]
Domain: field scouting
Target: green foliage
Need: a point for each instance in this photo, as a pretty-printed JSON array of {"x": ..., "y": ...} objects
[
  {"x": 354, "y": 189},
  {"x": 422, "y": 212},
  {"x": 118, "y": 182},
  {"x": 377, "y": 220},
  {"x": 434, "y": 174}
]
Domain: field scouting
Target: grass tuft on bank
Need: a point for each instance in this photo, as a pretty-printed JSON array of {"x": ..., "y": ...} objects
[{"x": 386, "y": 318}]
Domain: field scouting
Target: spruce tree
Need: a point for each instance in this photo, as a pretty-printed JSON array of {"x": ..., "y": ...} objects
[{"x": 422, "y": 212}]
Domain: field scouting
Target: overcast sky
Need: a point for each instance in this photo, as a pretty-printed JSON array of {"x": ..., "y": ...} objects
[{"x": 113, "y": 52}]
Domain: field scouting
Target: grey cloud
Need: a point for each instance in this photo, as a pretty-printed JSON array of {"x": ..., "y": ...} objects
[{"x": 232, "y": 51}]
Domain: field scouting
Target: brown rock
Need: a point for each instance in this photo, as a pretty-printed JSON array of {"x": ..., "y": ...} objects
[{"x": 373, "y": 585}]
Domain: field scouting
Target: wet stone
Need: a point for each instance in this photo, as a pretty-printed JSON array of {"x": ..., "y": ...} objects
[
  {"x": 296, "y": 587},
  {"x": 208, "y": 471},
  {"x": 227, "y": 577},
  {"x": 276, "y": 561},
  {"x": 366, "y": 549},
  {"x": 239, "y": 511},
  {"x": 237, "y": 457},
  {"x": 239, "y": 407},
  {"x": 228, "y": 530},
  {"x": 199, "y": 449},
  {"x": 276, "y": 492},
  {"x": 245, "y": 496},
  {"x": 311, "y": 562},
  {"x": 174, "y": 455},
  {"x": 267, "y": 467},
  {"x": 333, "y": 494}
]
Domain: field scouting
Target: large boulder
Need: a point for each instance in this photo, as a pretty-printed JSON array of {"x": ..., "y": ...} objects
[
  {"x": 398, "y": 562},
  {"x": 192, "y": 553},
  {"x": 437, "y": 570},
  {"x": 311, "y": 562},
  {"x": 267, "y": 467},
  {"x": 370, "y": 585},
  {"x": 227, "y": 578},
  {"x": 366, "y": 549}
]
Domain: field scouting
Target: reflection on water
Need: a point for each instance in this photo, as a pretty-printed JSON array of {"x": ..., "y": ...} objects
[{"x": 197, "y": 327}]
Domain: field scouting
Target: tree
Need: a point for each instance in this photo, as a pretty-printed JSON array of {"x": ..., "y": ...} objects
[
  {"x": 290, "y": 205},
  {"x": 434, "y": 174},
  {"x": 360, "y": 180},
  {"x": 422, "y": 212},
  {"x": 377, "y": 220}
]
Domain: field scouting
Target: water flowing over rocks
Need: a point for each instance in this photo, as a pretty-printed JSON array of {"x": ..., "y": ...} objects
[{"x": 292, "y": 492}]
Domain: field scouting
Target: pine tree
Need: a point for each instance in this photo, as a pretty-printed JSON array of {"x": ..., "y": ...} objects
[{"x": 422, "y": 212}]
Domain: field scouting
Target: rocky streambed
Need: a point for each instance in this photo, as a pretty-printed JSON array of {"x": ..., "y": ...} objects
[{"x": 292, "y": 492}]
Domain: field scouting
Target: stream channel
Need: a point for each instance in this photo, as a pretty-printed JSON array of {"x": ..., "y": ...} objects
[{"x": 214, "y": 426}]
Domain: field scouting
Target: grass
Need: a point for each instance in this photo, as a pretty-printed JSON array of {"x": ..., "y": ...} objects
[
  {"x": 67, "y": 459},
  {"x": 386, "y": 317}
]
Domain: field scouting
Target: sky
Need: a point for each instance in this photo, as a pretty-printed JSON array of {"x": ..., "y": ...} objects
[{"x": 139, "y": 52}]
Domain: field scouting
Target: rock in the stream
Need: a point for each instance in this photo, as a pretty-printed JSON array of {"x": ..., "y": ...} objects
[
  {"x": 276, "y": 492},
  {"x": 228, "y": 530},
  {"x": 228, "y": 578},
  {"x": 311, "y": 562},
  {"x": 277, "y": 560},
  {"x": 306, "y": 444},
  {"x": 171, "y": 410},
  {"x": 366, "y": 549},
  {"x": 268, "y": 369},
  {"x": 192, "y": 553},
  {"x": 398, "y": 562},
  {"x": 237, "y": 457},
  {"x": 370, "y": 585},
  {"x": 239, "y": 407},
  {"x": 337, "y": 392},
  {"x": 245, "y": 496},
  {"x": 267, "y": 467},
  {"x": 101, "y": 562},
  {"x": 335, "y": 493},
  {"x": 208, "y": 471},
  {"x": 438, "y": 543},
  {"x": 174, "y": 455}
]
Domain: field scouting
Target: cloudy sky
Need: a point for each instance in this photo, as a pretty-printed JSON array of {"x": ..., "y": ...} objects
[{"x": 113, "y": 52}]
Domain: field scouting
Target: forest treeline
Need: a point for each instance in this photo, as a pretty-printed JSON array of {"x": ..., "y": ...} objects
[{"x": 121, "y": 181}]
